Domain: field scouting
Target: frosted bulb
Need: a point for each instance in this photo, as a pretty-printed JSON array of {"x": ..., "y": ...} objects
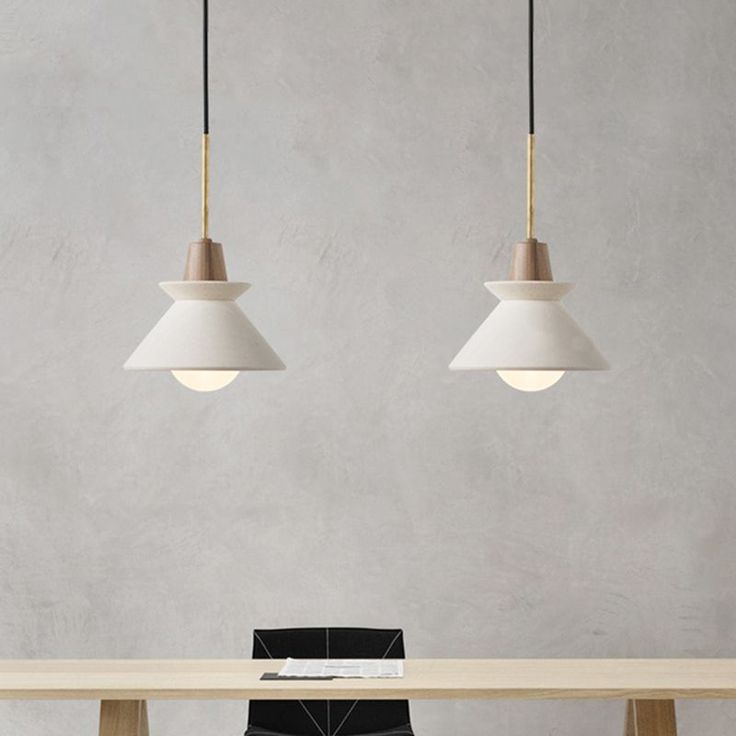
[
  {"x": 205, "y": 380},
  {"x": 530, "y": 380}
]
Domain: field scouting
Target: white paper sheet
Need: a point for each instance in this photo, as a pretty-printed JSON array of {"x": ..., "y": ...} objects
[{"x": 342, "y": 668}]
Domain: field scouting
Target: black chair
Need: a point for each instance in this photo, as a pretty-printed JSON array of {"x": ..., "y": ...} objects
[{"x": 324, "y": 717}]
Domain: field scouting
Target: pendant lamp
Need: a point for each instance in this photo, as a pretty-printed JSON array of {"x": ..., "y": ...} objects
[
  {"x": 529, "y": 339},
  {"x": 204, "y": 338}
]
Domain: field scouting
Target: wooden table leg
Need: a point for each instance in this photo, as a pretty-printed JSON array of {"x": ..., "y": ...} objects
[
  {"x": 123, "y": 718},
  {"x": 650, "y": 718}
]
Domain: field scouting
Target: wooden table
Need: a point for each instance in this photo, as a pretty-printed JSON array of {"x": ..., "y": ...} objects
[{"x": 650, "y": 686}]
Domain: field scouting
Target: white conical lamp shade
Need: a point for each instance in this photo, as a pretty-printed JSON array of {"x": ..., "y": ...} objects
[
  {"x": 204, "y": 330},
  {"x": 529, "y": 331}
]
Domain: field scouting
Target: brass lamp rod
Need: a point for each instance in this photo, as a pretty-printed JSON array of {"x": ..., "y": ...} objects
[
  {"x": 530, "y": 187},
  {"x": 205, "y": 185},
  {"x": 530, "y": 139}
]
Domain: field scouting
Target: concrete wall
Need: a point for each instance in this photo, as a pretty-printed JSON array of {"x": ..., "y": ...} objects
[{"x": 368, "y": 176}]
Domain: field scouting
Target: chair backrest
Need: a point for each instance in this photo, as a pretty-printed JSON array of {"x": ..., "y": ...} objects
[{"x": 327, "y": 718}]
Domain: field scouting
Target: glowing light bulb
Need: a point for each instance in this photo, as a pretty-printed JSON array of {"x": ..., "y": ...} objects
[
  {"x": 205, "y": 380},
  {"x": 530, "y": 380}
]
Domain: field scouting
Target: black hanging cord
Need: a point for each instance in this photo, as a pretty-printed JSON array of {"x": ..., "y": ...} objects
[
  {"x": 531, "y": 67},
  {"x": 205, "y": 69}
]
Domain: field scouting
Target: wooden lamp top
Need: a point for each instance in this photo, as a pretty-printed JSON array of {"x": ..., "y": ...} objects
[
  {"x": 530, "y": 261},
  {"x": 205, "y": 262}
]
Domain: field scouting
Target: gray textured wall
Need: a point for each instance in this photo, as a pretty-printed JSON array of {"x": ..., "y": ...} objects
[{"x": 368, "y": 176}]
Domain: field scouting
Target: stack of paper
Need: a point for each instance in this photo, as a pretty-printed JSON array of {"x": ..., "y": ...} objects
[{"x": 342, "y": 668}]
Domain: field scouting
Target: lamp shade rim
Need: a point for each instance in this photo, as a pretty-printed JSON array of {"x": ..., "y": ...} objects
[
  {"x": 243, "y": 368},
  {"x": 566, "y": 368},
  {"x": 204, "y": 290},
  {"x": 529, "y": 290}
]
